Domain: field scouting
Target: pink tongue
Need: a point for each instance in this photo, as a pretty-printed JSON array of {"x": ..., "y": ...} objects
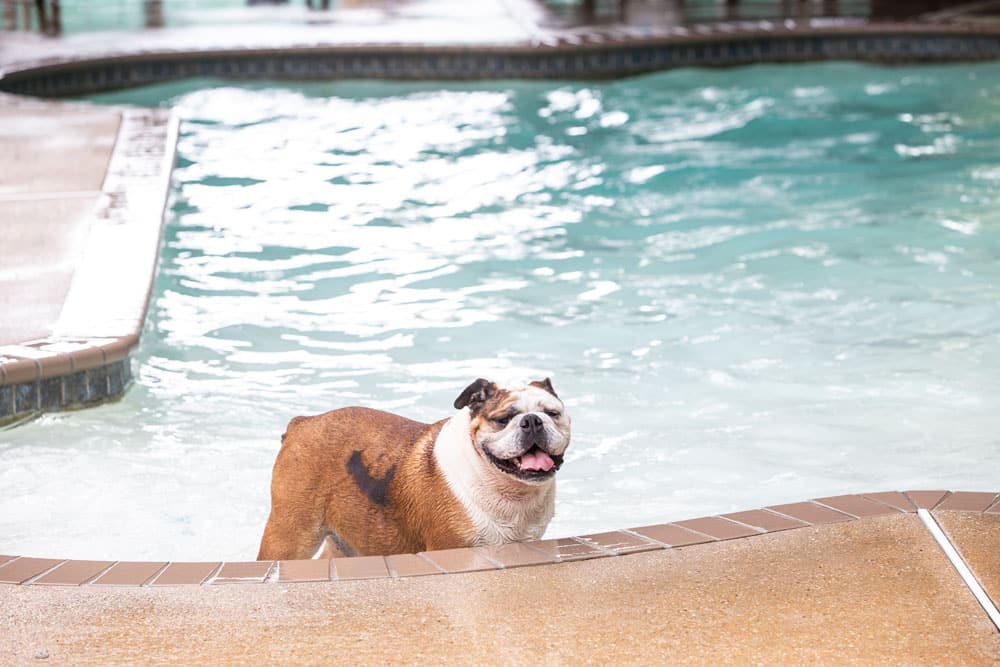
[{"x": 536, "y": 459}]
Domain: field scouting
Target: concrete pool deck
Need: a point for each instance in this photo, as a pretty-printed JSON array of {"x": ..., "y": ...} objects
[
  {"x": 850, "y": 580},
  {"x": 805, "y": 583},
  {"x": 82, "y": 191}
]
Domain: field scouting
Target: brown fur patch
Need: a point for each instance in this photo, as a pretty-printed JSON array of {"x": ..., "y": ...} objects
[{"x": 369, "y": 477}]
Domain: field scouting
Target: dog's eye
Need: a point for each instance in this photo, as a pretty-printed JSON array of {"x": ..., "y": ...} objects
[
  {"x": 503, "y": 421},
  {"x": 555, "y": 414}
]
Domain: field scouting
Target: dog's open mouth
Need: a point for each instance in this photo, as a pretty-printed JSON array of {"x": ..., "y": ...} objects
[{"x": 534, "y": 464}]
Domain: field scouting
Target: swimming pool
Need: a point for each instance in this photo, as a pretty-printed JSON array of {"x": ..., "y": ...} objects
[{"x": 751, "y": 286}]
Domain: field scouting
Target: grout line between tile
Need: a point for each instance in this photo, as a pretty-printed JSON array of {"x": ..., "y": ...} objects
[
  {"x": 757, "y": 529},
  {"x": 213, "y": 575},
  {"x": 834, "y": 509},
  {"x": 947, "y": 494},
  {"x": 880, "y": 502},
  {"x": 643, "y": 537},
  {"x": 28, "y": 582},
  {"x": 963, "y": 570},
  {"x": 606, "y": 552},
  {"x": 431, "y": 563},
  {"x": 99, "y": 574},
  {"x": 787, "y": 516},
  {"x": 666, "y": 545},
  {"x": 497, "y": 563},
  {"x": 152, "y": 578}
]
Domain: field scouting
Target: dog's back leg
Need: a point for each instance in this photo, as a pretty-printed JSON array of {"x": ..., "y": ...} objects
[
  {"x": 291, "y": 534},
  {"x": 295, "y": 526}
]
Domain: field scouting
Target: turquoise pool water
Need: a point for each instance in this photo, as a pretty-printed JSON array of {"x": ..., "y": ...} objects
[{"x": 751, "y": 286}]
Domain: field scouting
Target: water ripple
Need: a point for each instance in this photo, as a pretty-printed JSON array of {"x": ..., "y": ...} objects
[{"x": 752, "y": 286}]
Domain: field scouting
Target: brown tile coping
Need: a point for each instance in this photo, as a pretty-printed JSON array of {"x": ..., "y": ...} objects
[
  {"x": 566, "y": 548},
  {"x": 410, "y": 565},
  {"x": 459, "y": 560},
  {"x": 966, "y": 501},
  {"x": 515, "y": 555},
  {"x": 179, "y": 574},
  {"x": 129, "y": 574},
  {"x": 718, "y": 527},
  {"x": 244, "y": 573},
  {"x": 303, "y": 570},
  {"x": 671, "y": 535},
  {"x": 766, "y": 521},
  {"x": 811, "y": 513},
  {"x": 73, "y": 573},
  {"x": 17, "y": 371},
  {"x": 858, "y": 506},
  {"x": 119, "y": 348},
  {"x": 21, "y": 570},
  {"x": 893, "y": 499},
  {"x": 686, "y": 533},
  {"x": 926, "y": 500},
  {"x": 359, "y": 567},
  {"x": 619, "y": 542}
]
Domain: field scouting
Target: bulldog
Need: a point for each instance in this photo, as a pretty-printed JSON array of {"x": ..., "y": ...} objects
[{"x": 366, "y": 482}]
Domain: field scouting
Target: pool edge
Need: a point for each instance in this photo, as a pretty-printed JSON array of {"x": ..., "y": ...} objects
[
  {"x": 86, "y": 358},
  {"x": 811, "y": 514},
  {"x": 593, "y": 53}
]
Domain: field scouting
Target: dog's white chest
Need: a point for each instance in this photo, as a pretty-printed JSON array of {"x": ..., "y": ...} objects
[
  {"x": 498, "y": 521},
  {"x": 498, "y": 517}
]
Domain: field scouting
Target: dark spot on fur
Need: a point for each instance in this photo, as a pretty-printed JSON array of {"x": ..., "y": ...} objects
[{"x": 376, "y": 489}]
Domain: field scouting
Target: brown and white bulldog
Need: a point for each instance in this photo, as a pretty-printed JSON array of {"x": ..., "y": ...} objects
[{"x": 375, "y": 483}]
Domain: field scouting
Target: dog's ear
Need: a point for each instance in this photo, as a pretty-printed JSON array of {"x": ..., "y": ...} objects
[
  {"x": 545, "y": 384},
  {"x": 477, "y": 392}
]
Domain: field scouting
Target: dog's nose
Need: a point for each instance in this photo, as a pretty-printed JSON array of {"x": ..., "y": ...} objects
[{"x": 531, "y": 423}]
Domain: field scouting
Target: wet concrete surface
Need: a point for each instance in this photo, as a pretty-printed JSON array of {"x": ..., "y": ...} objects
[
  {"x": 52, "y": 163},
  {"x": 977, "y": 539},
  {"x": 877, "y": 591}
]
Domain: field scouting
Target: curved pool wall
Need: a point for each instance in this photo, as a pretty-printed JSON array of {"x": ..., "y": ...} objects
[{"x": 591, "y": 55}]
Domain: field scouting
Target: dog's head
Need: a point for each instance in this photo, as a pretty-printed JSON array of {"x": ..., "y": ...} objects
[{"x": 522, "y": 432}]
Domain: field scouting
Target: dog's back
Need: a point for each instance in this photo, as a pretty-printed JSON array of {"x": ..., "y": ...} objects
[{"x": 352, "y": 473}]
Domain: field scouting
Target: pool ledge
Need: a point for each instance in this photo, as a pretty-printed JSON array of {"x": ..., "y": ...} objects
[
  {"x": 95, "y": 308},
  {"x": 836, "y": 580},
  {"x": 588, "y": 52}
]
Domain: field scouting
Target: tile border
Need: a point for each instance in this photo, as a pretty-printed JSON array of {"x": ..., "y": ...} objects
[
  {"x": 683, "y": 534},
  {"x": 583, "y": 53}
]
